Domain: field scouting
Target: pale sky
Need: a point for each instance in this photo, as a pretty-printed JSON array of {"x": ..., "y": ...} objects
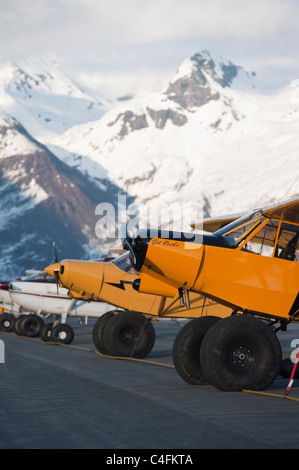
[{"x": 146, "y": 40}]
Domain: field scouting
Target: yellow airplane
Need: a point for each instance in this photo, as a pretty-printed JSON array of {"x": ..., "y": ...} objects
[
  {"x": 248, "y": 266},
  {"x": 116, "y": 332}
]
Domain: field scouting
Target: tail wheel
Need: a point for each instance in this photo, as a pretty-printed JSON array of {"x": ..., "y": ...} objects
[
  {"x": 129, "y": 334},
  {"x": 98, "y": 332},
  {"x": 7, "y": 321},
  {"x": 186, "y": 349},
  {"x": 31, "y": 325},
  {"x": 46, "y": 332},
  {"x": 241, "y": 352},
  {"x": 62, "y": 333}
]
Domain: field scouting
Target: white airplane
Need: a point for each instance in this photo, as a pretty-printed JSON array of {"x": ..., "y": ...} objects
[
  {"x": 6, "y": 303},
  {"x": 9, "y": 309},
  {"x": 28, "y": 300},
  {"x": 41, "y": 298}
]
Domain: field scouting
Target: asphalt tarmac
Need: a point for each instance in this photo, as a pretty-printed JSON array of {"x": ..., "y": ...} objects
[{"x": 71, "y": 397}]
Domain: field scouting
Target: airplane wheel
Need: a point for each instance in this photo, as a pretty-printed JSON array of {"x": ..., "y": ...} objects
[
  {"x": 46, "y": 332},
  {"x": 7, "y": 321},
  {"x": 240, "y": 352},
  {"x": 62, "y": 333},
  {"x": 98, "y": 332},
  {"x": 186, "y": 349},
  {"x": 31, "y": 325},
  {"x": 18, "y": 325},
  {"x": 129, "y": 334}
]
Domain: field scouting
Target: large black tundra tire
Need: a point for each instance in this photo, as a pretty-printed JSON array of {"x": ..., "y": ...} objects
[
  {"x": 129, "y": 334},
  {"x": 98, "y": 332},
  {"x": 241, "y": 352},
  {"x": 186, "y": 349},
  {"x": 31, "y": 325}
]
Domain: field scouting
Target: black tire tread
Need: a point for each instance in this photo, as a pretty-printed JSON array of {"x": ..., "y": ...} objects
[
  {"x": 135, "y": 321},
  {"x": 237, "y": 330},
  {"x": 98, "y": 331},
  {"x": 186, "y": 349}
]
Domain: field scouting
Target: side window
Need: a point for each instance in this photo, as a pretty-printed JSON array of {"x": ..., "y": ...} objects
[
  {"x": 263, "y": 242},
  {"x": 258, "y": 249},
  {"x": 287, "y": 246},
  {"x": 123, "y": 263}
]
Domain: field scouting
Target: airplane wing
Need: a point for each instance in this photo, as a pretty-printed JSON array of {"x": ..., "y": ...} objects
[
  {"x": 288, "y": 211},
  {"x": 212, "y": 224}
]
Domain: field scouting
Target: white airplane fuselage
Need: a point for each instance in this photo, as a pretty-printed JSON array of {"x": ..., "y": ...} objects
[
  {"x": 5, "y": 300},
  {"x": 47, "y": 298}
]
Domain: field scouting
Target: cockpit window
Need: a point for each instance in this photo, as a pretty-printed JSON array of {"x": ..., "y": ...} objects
[
  {"x": 288, "y": 244},
  {"x": 254, "y": 235},
  {"x": 263, "y": 241},
  {"x": 123, "y": 262},
  {"x": 241, "y": 228}
]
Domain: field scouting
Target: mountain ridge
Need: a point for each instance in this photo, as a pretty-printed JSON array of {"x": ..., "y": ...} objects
[
  {"x": 210, "y": 138},
  {"x": 44, "y": 200}
]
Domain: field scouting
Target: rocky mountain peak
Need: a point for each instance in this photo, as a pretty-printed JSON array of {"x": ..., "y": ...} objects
[
  {"x": 220, "y": 72},
  {"x": 199, "y": 80},
  {"x": 194, "y": 83}
]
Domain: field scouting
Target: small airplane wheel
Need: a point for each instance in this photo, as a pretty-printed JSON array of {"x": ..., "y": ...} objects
[
  {"x": 46, "y": 332},
  {"x": 98, "y": 331},
  {"x": 62, "y": 333},
  {"x": 7, "y": 321},
  {"x": 31, "y": 325},
  {"x": 186, "y": 349},
  {"x": 240, "y": 352},
  {"x": 129, "y": 334}
]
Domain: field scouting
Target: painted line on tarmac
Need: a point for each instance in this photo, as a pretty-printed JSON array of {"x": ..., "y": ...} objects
[
  {"x": 92, "y": 350},
  {"x": 287, "y": 397}
]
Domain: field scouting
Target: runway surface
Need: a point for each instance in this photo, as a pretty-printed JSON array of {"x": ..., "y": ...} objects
[{"x": 71, "y": 397}]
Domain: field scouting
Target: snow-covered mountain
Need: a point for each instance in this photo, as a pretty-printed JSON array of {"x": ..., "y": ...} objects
[
  {"x": 151, "y": 146},
  {"x": 43, "y": 200},
  {"x": 45, "y": 99},
  {"x": 209, "y": 136}
]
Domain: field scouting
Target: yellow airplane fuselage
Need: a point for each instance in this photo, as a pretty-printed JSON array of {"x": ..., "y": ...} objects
[
  {"x": 248, "y": 265},
  {"x": 107, "y": 282},
  {"x": 235, "y": 278}
]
